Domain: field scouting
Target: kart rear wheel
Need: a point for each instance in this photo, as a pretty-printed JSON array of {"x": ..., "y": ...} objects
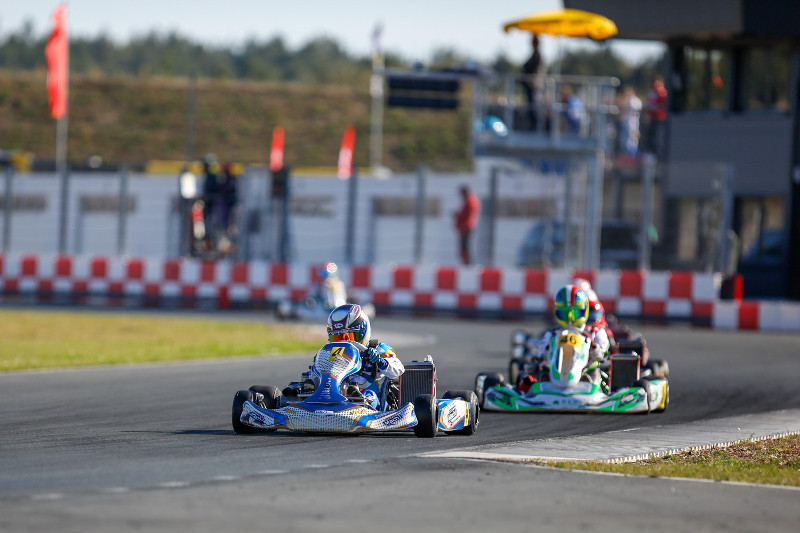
[
  {"x": 238, "y": 406},
  {"x": 426, "y": 408},
  {"x": 644, "y": 384},
  {"x": 661, "y": 366},
  {"x": 272, "y": 395},
  {"x": 474, "y": 409}
]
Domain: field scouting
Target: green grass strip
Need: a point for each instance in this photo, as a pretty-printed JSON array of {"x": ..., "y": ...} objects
[
  {"x": 54, "y": 339},
  {"x": 770, "y": 461}
]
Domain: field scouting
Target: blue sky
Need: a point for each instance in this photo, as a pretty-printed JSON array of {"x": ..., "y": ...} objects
[{"x": 411, "y": 28}]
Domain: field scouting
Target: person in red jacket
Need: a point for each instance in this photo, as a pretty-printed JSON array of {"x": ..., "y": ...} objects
[{"x": 466, "y": 219}]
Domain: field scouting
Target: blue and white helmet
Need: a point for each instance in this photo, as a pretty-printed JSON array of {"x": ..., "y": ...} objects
[{"x": 349, "y": 322}]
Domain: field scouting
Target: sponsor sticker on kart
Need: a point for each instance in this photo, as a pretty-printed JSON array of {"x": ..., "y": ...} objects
[{"x": 452, "y": 415}]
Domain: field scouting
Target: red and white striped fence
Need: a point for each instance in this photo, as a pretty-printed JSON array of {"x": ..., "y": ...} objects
[{"x": 689, "y": 296}]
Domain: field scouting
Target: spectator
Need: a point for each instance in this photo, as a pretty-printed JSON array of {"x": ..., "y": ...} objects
[
  {"x": 656, "y": 111},
  {"x": 530, "y": 84},
  {"x": 572, "y": 110},
  {"x": 211, "y": 171},
  {"x": 465, "y": 220},
  {"x": 227, "y": 193},
  {"x": 629, "y": 110}
]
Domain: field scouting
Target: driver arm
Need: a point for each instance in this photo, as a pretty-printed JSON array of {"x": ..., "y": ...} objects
[{"x": 390, "y": 365}]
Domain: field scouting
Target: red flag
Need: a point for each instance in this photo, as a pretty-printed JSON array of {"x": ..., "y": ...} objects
[
  {"x": 346, "y": 153},
  {"x": 57, "y": 54},
  {"x": 276, "y": 150}
]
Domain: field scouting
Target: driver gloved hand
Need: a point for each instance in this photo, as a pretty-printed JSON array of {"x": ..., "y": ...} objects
[{"x": 372, "y": 355}]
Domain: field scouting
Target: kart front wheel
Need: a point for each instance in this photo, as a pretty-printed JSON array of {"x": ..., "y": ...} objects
[
  {"x": 272, "y": 395},
  {"x": 484, "y": 382},
  {"x": 474, "y": 410},
  {"x": 238, "y": 406},
  {"x": 644, "y": 384},
  {"x": 660, "y": 408},
  {"x": 426, "y": 408}
]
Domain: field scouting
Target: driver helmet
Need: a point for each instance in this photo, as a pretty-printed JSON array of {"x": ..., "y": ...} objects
[
  {"x": 597, "y": 312},
  {"x": 327, "y": 270},
  {"x": 571, "y": 306},
  {"x": 582, "y": 283},
  {"x": 349, "y": 322}
]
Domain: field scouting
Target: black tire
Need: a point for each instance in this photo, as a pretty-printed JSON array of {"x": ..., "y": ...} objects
[
  {"x": 238, "y": 406},
  {"x": 514, "y": 368},
  {"x": 660, "y": 409},
  {"x": 474, "y": 410},
  {"x": 488, "y": 383},
  {"x": 427, "y": 410},
  {"x": 498, "y": 376},
  {"x": 644, "y": 384},
  {"x": 272, "y": 395}
]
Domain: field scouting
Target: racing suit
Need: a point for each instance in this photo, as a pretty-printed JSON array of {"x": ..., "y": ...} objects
[
  {"x": 389, "y": 367},
  {"x": 598, "y": 350}
]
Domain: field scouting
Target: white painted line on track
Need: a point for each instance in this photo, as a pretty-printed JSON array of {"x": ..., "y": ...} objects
[
  {"x": 225, "y": 478},
  {"x": 50, "y": 496},
  {"x": 116, "y": 490},
  {"x": 173, "y": 485}
]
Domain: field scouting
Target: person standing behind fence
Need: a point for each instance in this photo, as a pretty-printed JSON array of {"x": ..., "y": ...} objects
[
  {"x": 466, "y": 219},
  {"x": 629, "y": 110},
  {"x": 572, "y": 110},
  {"x": 656, "y": 110},
  {"x": 531, "y": 69}
]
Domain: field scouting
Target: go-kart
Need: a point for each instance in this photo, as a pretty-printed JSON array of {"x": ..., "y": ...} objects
[
  {"x": 623, "y": 340},
  {"x": 562, "y": 383},
  {"x": 333, "y": 406}
]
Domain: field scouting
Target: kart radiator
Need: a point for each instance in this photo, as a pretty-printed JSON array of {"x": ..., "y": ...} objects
[
  {"x": 624, "y": 370},
  {"x": 418, "y": 378}
]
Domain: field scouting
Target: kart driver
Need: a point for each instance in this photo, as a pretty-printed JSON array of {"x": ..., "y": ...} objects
[
  {"x": 329, "y": 291},
  {"x": 349, "y": 323},
  {"x": 597, "y": 318},
  {"x": 570, "y": 309}
]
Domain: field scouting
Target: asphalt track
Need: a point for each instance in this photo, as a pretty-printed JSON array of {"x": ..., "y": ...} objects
[{"x": 150, "y": 448}]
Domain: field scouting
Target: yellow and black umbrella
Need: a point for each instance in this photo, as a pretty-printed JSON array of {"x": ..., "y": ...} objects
[{"x": 567, "y": 23}]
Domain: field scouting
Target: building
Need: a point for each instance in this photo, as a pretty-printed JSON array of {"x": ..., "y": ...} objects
[{"x": 733, "y": 127}]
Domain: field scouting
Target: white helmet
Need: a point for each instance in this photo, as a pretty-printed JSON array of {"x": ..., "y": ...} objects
[{"x": 349, "y": 322}]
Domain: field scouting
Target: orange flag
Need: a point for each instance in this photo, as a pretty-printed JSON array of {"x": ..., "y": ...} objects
[
  {"x": 346, "y": 153},
  {"x": 276, "y": 150},
  {"x": 57, "y": 53}
]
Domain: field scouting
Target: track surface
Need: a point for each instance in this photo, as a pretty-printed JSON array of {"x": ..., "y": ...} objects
[{"x": 150, "y": 447}]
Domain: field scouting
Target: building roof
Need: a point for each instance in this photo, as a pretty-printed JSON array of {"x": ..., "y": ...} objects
[{"x": 693, "y": 21}]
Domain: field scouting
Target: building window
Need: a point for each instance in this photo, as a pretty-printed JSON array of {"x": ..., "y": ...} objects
[
  {"x": 767, "y": 77},
  {"x": 707, "y": 75}
]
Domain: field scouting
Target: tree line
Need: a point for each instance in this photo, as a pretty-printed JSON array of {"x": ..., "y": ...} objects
[{"x": 321, "y": 60}]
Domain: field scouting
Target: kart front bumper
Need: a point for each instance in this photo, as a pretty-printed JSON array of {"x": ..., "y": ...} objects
[
  {"x": 583, "y": 398},
  {"x": 336, "y": 418}
]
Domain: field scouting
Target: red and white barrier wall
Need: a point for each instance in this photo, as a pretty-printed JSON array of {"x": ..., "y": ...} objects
[{"x": 669, "y": 295}]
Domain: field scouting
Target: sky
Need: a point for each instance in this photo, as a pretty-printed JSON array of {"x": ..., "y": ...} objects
[{"x": 413, "y": 29}]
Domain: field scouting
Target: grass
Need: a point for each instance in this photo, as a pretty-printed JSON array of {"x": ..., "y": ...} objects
[
  {"x": 771, "y": 461},
  {"x": 133, "y": 120},
  {"x": 38, "y": 340}
]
